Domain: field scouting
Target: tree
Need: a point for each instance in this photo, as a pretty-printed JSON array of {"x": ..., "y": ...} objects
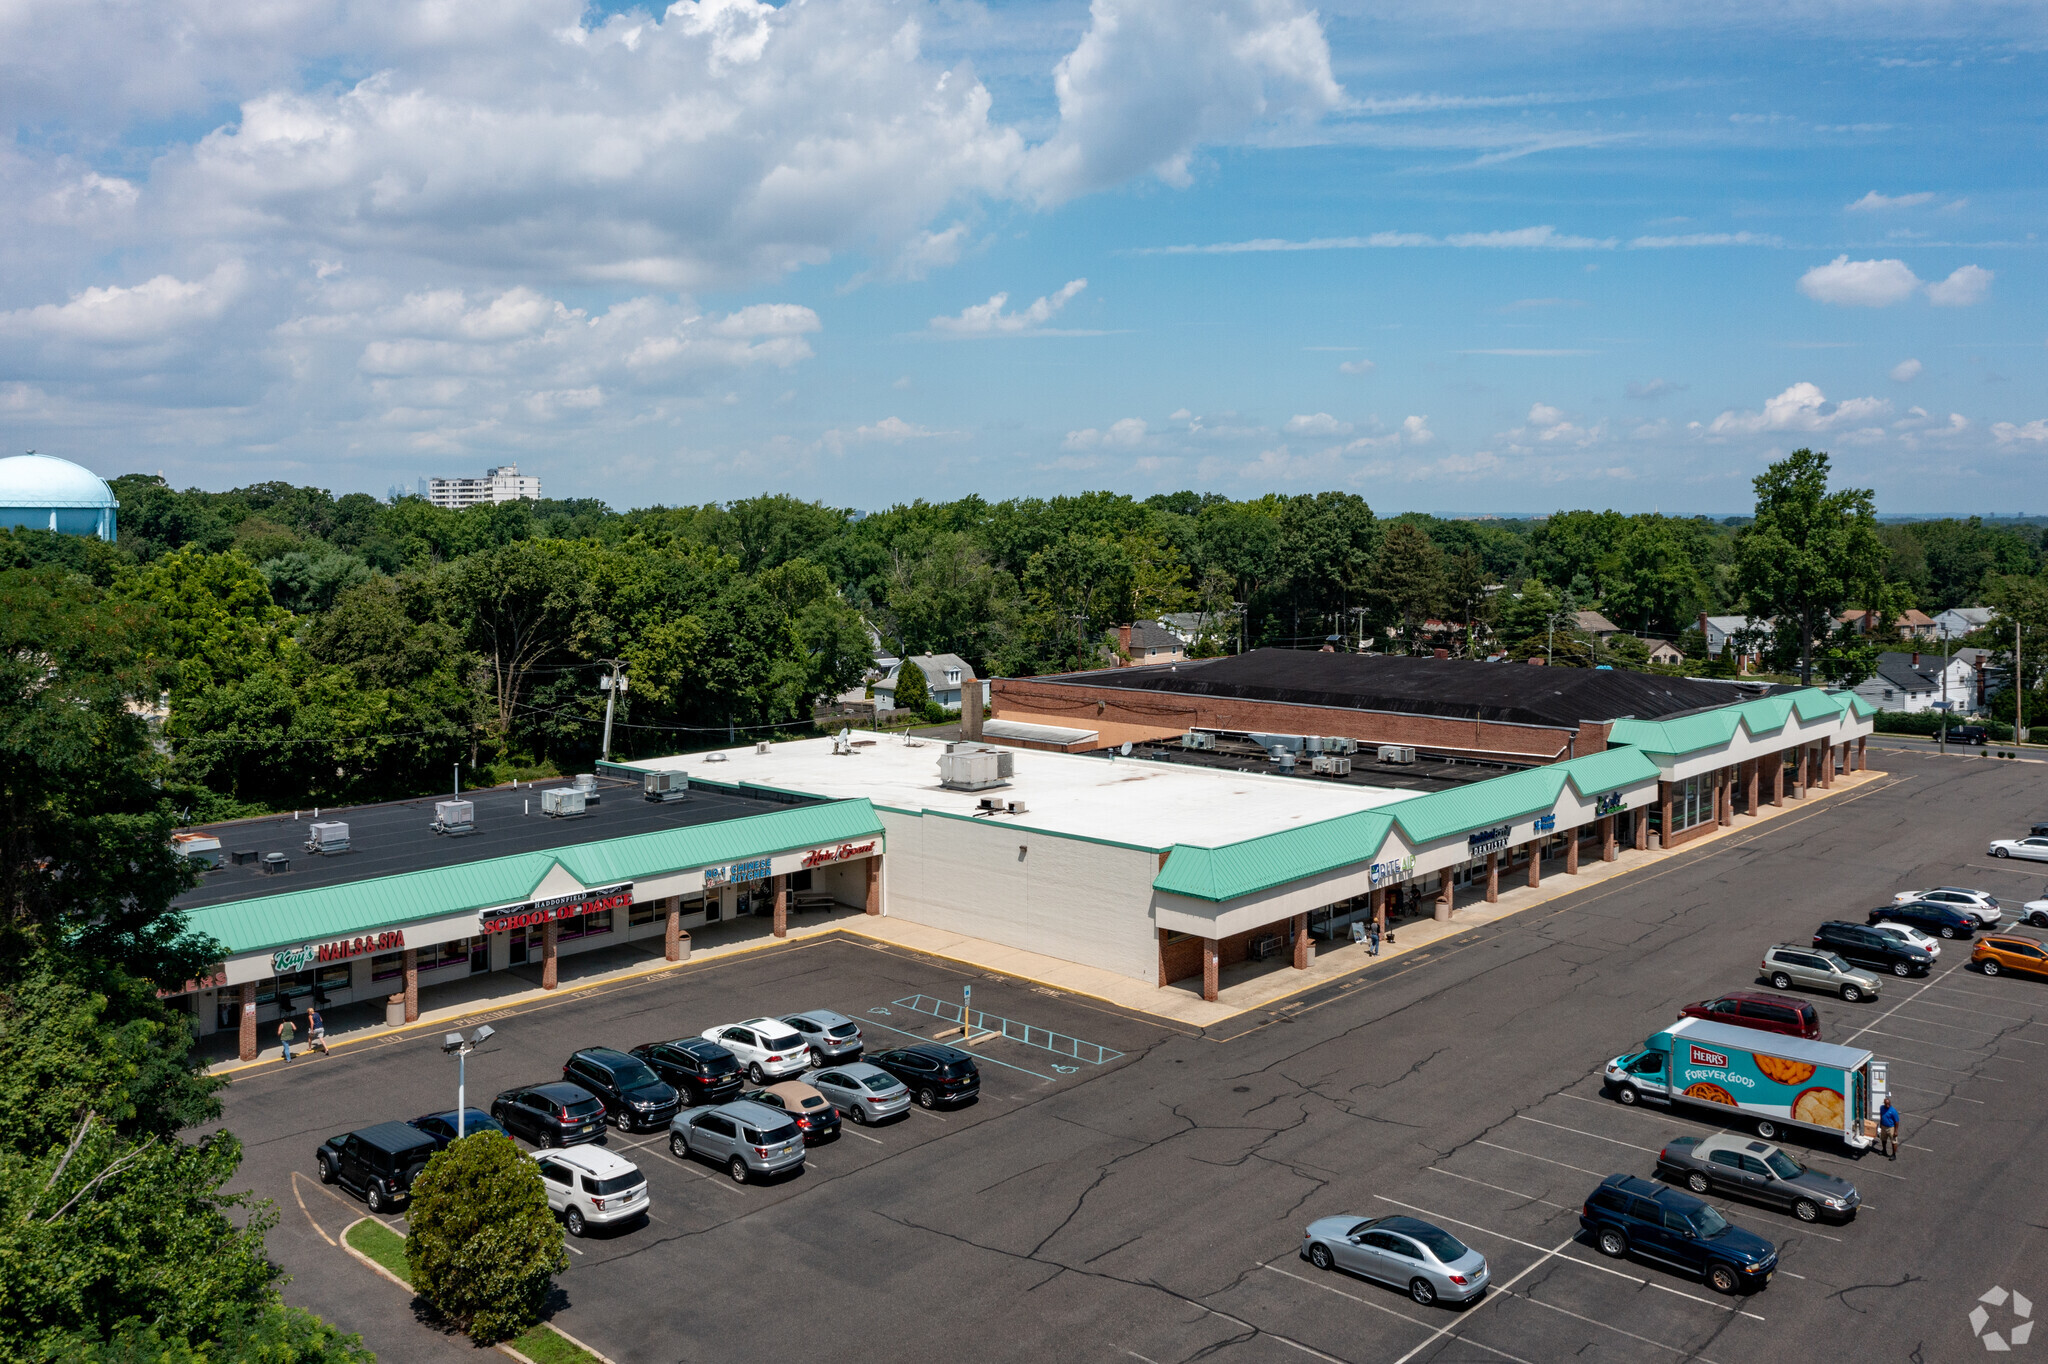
[
  {"x": 483, "y": 1247},
  {"x": 1406, "y": 579},
  {"x": 913, "y": 691},
  {"x": 1466, "y": 592},
  {"x": 1652, "y": 583},
  {"x": 1809, "y": 550},
  {"x": 517, "y": 603}
]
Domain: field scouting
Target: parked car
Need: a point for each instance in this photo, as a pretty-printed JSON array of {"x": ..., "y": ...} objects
[
  {"x": 1627, "y": 1214},
  {"x": 1981, "y": 904},
  {"x": 815, "y": 1117},
  {"x": 1753, "y": 1009},
  {"x": 701, "y": 1071},
  {"x": 767, "y": 1048},
  {"x": 634, "y": 1097},
  {"x": 1943, "y": 921},
  {"x": 553, "y": 1114},
  {"x": 589, "y": 1186},
  {"x": 2034, "y": 913},
  {"x": 933, "y": 1074},
  {"x": 441, "y": 1126},
  {"x": 752, "y": 1141},
  {"x": 1406, "y": 1252},
  {"x": 1969, "y": 734},
  {"x": 1916, "y": 937},
  {"x": 2034, "y": 846},
  {"x": 377, "y": 1162},
  {"x": 832, "y": 1037},
  {"x": 1862, "y": 945},
  {"x": 867, "y": 1092},
  {"x": 1756, "y": 1170},
  {"x": 2024, "y": 955},
  {"x": 1787, "y": 965}
]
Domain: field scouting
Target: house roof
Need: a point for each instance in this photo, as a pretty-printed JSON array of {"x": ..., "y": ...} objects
[
  {"x": 1729, "y": 625},
  {"x": 1975, "y": 615},
  {"x": 1897, "y": 668},
  {"x": 1707, "y": 729},
  {"x": 1592, "y": 622},
  {"x": 1146, "y": 635},
  {"x": 934, "y": 666}
]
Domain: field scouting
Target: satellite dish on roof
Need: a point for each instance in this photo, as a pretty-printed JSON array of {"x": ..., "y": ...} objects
[{"x": 1126, "y": 749}]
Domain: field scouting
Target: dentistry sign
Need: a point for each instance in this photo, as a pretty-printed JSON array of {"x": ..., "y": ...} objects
[{"x": 1486, "y": 841}]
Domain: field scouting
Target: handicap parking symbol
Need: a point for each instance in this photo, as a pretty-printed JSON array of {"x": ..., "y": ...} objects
[{"x": 882, "y": 1012}]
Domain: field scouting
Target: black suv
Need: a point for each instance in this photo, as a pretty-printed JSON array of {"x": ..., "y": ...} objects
[
  {"x": 1860, "y": 945},
  {"x": 1629, "y": 1214},
  {"x": 377, "y": 1162},
  {"x": 633, "y": 1096},
  {"x": 934, "y": 1074},
  {"x": 552, "y": 1114},
  {"x": 704, "y": 1071},
  {"x": 1943, "y": 921}
]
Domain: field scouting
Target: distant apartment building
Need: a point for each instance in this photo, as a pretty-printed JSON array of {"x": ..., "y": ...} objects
[{"x": 502, "y": 484}]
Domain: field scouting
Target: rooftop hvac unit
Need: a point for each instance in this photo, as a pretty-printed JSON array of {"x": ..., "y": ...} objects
[
  {"x": 660, "y": 786},
  {"x": 989, "y": 803},
  {"x": 1340, "y": 744},
  {"x": 276, "y": 864},
  {"x": 1330, "y": 765},
  {"x": 970, "y": 770},
  {"x": 331, "y": 837},
  {"x": 1284, "y": 759},
  {"x": 586, "y": 782},
  {"x": 1195, "y": 738},
  {"x": 1006, "y": 764},
  {"x": 454, "y": 817},
  {"x": 1399, "y": 754},
  {"x": 1293, "y": 743},
  {"x": 761, "y": 747},
  {"x": 1015, "y": 807},
  {"x": 561, "y": 802},
  {"x": 201, "y": 848},
  {"x": 1314, "y": 743}
]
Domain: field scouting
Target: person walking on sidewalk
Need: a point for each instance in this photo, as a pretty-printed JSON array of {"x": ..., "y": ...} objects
[
  {"x": 286, "y": 1031},
  {"x": 1888, "y": 1129},
  {"x": 316, "y": 1032}
]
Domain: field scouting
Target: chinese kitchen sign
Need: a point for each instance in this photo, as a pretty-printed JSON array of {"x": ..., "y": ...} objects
[{"x": 751, "y": 870}]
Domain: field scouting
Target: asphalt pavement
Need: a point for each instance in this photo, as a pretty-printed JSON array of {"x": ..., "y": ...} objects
[{"x": 1145, "y": 1199}]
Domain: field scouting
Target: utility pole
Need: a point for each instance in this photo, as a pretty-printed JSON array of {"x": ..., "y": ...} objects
[
  {"x": 1942, "y": 745},
  {"x": 611, "y": 684},
  {"x": 2019, "y": 692}
]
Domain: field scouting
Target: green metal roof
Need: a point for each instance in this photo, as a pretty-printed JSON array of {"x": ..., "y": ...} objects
[
  {"x": 1256, "y": 864},
  {"x": 342, "y": 911},
  {"x": 1711, "y": 729}
]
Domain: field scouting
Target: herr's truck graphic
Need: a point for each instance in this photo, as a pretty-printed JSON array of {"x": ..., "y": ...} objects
[{"x": 1776, "y": 1082}]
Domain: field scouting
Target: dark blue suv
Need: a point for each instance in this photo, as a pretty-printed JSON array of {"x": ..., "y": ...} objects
[{"x": 1629, "y": 1214}]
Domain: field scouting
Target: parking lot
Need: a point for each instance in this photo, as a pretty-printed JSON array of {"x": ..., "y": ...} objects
[{"x": 1146, "y": 1198}]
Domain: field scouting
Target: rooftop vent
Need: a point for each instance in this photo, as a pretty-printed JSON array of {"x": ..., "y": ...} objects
[
  {"x": 276, "y": 864},
  {"x": 329, "y": 837},
  {"x": 761, "y": 747},
  {"x": 562, "y": 802},
  {"x": 1196, "y": 739},
  {"x": 586, "y": 782},
  {"x": 664, "y": 786},
  {"x": 196, "y": 847},
  {"x": 972, "y": 767},
  {"x": 454, "y": 817}
]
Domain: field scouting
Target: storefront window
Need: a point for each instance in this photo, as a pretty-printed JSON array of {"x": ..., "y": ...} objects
[
  {"x": 446, "y": 954},
  {"x": 585, "y": 926},
  {"x": 389, "y": 965},
  {"x": 644, "y": 912}
]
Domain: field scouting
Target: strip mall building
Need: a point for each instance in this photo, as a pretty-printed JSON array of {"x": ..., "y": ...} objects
[{"x": 1166, "y": 860}]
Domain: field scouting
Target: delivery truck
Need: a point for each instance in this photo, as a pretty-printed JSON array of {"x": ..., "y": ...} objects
[{"x": 1776, "y": 1083}]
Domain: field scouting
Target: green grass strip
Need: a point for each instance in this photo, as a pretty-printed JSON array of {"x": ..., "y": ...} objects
[
  {"x": 381, "y": 1244},
  {"x": 544, "y": 1345}
]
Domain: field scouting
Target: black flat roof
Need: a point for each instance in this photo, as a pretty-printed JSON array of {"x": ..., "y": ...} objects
[
  {"x": 1429, "y": 772},
  {"x": 388, "y": 839},
  {"x": 1513, "y": 693}
]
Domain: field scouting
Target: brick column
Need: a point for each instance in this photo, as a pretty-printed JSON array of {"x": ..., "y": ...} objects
[
  {"x": 1301, "y": 942},
  {"x": 412, "y": 985},
  {"x": 1444, "y": 896},
  {"x": 1724, "y": 802},
  {"x": 1492, "y": 877},
  {"x": 1749, "y": 797},
  {"x": 874, "y": 900},
  {"x": 1664, "y": 804},
  {"x": 248, "y": 1052},
  {"x": 1212, "y": 967},
  {"x": 781, "y": 884},
  {"x": 1162, "y": 958},
  {"x": 1827, "y": 763},
  {"x": 1571, "y": 851},
  {"x": 1862, "y": 754},
  {"x": 672, "y": 936},
  {"x": 1641, "y": 821},
  {"x": 549, "y": 974},
  {"x": 1535, "y": 863},
  {"x": 1607, "y": 853},
  {"x": 1799, "y": 773},
  {"x": 1379, "y": 910},
  {"x": 1778, "y": 778}
]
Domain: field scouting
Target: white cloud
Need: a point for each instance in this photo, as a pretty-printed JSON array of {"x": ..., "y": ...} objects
[
  {"x": 1317, "y": 424},
  {"x": 1802, "y": 407},
  {"x": 1905, "y": 371},
  {"x": 1874, "y": 202},
  {"x": 895, "y": 430},
  {"x": 1655, "y": 388},
  {"x": 113, "y": 314},
  {"x": 2036, "y": 431},
  {"x": 1121, "y": 435},
  {"x": 1541, "y": 414},
  {"x": 1967, "y": 285},
  {"x": 1523, "y": 238},
  {"x": 1356, "y": 367},
  {"x": 1415, "y": 430},
  {"x": 1707, "y": 239},
  {"x": 1859, "y": 284},
  {"x": 989, "y": 319}
]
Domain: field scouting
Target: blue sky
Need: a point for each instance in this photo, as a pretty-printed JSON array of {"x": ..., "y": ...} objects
[{"x": 1491, "y": 257}]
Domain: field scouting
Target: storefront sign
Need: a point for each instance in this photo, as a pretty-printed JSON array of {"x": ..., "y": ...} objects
[
  {"x": 752, "y": 870},
  {"x": 561, "y": 907},
  {"x": 286, "y": 960},
  {"x": 1546, "y": 823},
  {"x": 1487, "y": 841},
  {"x": 1611, "y": 803},
  {"x": 211, "y": 982},
  {"x": 818, "y": 857},
  {"x": 1388, "y": 873}
]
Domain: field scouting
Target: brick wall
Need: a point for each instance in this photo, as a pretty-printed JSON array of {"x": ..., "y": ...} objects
[{"x": 1183, "y": 959}]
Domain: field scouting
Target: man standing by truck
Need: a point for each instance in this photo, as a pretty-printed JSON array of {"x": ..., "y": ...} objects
[{"x": 1888, "y": 1129}]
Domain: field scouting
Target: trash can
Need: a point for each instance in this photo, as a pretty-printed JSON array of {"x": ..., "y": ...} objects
[
  {"x": 683, "y": 945},
  {"x": 394, "y": 1011}
]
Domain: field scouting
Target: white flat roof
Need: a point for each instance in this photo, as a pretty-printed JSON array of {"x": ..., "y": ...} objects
[{"x": 1148, "y": 804}]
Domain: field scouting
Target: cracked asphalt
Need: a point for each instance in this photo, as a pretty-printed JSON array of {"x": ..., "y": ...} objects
[{"x": 1152, "y": 1208}]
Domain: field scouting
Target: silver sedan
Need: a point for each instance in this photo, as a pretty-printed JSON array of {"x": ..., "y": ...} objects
[
  {"x": 1424, "y": 1260},
  {"x": 863, "y": 1092}
]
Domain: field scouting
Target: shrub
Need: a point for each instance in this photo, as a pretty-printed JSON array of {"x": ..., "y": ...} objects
[
  {"x": 913, "y": 689},
  {"x": 1929, "y": 722},
  {"x": 483, "y": 1246}
]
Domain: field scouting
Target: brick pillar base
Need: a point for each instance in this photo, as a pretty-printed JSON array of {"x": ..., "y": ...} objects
[
  {"x": 1862, "y": 755},
  {"x": 1212, "y": 968},
  {"x": 1799, "y": 773},
  {"x": 1301, "y": 942},
  {"x": 1571, "y": 853},
  {"x": 1162, "y": 957},
  {"x": 782, "y": 906},
  {"x": 1492, "y": 878},
  {"x": 1379, "y": 910},
  {"x": 412, "y": 985},
  {"x": 1642, "y": 823},
  {"x": 874, "y": 900},
  {"x": 1827, "y": 763},
  {"x": 1607, "y": 838},
  {"x": 1724, "y": 797},
  {"x": 549, "y": 962},
  {"x": 1749, "y": 794},
  {"x": 1778, "y": 779},
  {"x": 248, "y": 1051},
  {"x": 1664, "y": 804},
  {"x": 1536, "y": 864},
  {"x": 1444, "y": 892},
  {"x": 672, "y": 936}
]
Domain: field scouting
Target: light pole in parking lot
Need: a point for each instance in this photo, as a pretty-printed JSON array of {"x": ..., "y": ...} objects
[{"x": 456, "y": 1045}]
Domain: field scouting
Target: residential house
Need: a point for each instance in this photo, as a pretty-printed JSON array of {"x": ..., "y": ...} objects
[
  {"x": 1914, "y": 624},
  {"x": 1958, "y": 621},
  {"x": 1594, "y": 624},
  {"x": 1920, "y": 682},
  {"x": 1147, "y": 642},
  {"x": 1748, "y": 633},
  {"x": 945, "y": 676},
  {"x": 1662, "y": 651}
]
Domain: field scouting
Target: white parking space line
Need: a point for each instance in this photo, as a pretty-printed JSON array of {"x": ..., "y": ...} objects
[
  {"x": 1931, "y": 983},
  {"x": 658, "y": 1149},
  {"x": 1673, "y": 1117},
  {"x": 1502, "y": 1292},
  {"x": 2011, "y": 1018},
  {"x": 1940, "y": 1092},
  {"x": 864, "y": 1136},
  {"x": 1332, "y": 1288},
  {"x": 1594, "y": 1135},
  {"x": 2001, "y": 1034},
  {"x": 1569, "y": 1259},
  {"x": 979, "y": 1057},
  {"x": 1669, "y": 1349},
  {"x": 1513, "y": 1193},
  {"x": 1945, "y": 1046},
  {"x": 1929, "y": 1065},
  {"x": 1545, "y": 1159}
]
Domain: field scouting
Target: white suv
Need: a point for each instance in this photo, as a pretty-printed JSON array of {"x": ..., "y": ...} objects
[
  {"x": 1981, "y": 903},
  {"x": 589, "y": 1186},
  {"x": 768, "y": 1048}
]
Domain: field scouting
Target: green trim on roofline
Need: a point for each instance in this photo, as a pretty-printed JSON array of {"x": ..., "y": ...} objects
[
  {"x": 1257, "y": 864},
  {"x": 342, "y": 911},
  {"x": 1714, "y": 728}
]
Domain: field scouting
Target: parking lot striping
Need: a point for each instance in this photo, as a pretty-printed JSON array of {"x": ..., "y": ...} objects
[
  {"x": 1568, "y": 1259},
  {"x": 1945, "y": 1122},
  {"x": 1594, "y": 1135},
  {"x": 865, "y": 1137},
  {"x": 1940, "y": 1092},
  {"x": 1445, "y": 1329},
  {"x": 1929, "y": 1065},
  {"x": 1591, "y": 1321},
  {"x": 1931, "y": 983},
  {"x": 870, "y": 1023},
  {"x": 2001, "y": 1034},
  {"x": 1710, "y": 1128},
  {"x": 1045, "y": 1039},
  {"x": 1436, "y": 1169},
  {"x": 657, "y": 1147},
  {"x": 1545, "y": 1159},
  {"x": 1945, "y": 1046},
  {"x": 296, "y": 1177},
  {"x": 2015, "y": 1018},
  {"x": 1517, "y": 1193},
  {"x": 1382, "y": 1307}
]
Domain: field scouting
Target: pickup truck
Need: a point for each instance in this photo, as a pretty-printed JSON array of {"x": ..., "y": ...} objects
[{"x": 1774, "y": 1083}]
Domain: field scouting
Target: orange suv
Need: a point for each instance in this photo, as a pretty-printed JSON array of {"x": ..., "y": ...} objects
[{"x": 1993, "y": 955}]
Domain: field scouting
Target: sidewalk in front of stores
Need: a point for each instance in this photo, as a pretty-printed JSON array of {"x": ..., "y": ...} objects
[{"x": 1244, "y": 986}]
